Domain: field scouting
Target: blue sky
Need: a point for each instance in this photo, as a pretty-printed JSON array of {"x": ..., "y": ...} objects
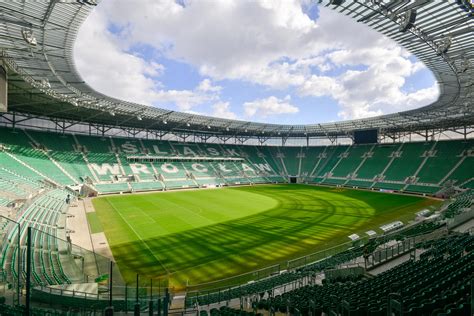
[{"x": 277, "y": 62}]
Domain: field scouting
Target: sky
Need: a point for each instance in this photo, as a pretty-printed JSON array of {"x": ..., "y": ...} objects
[{"x": 282, "y": 61}]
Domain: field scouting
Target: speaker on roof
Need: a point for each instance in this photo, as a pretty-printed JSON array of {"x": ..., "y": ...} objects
[
  {"x": 3, "y": 90},
  {"x": 408, "y": 19}
]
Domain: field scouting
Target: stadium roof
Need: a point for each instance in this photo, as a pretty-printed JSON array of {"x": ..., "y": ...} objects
[{"x": 37, "y": 39}]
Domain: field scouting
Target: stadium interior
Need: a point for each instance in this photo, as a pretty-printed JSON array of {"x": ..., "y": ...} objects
[{"x": 64, "y": 145}]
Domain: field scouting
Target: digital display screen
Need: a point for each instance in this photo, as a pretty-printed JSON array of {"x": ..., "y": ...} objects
[{"x": 366, "y": 136}]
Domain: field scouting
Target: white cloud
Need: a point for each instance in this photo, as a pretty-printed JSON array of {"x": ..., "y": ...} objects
[
  {"x": 262, "y": 108},
  {"x": 185, "y": 100},
  {"x": 269, "y": 43},
  {"x": 207, "y": 86},
  {"x": 228, "y": 39},
  {"x": 109, "y": 70},
  {"x": 222, "y": 109},
  {"x": 375, "y": 90},
  {"x": 117, "y": 73},
  {"x": 319, "y": 86},
  {"x": 417, "y": 66}
]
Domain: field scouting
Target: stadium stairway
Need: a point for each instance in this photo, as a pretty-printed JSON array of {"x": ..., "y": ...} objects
[{"x": 50, "y": 157}]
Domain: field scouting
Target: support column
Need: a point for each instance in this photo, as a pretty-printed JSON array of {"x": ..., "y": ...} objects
[
  {"x": 136, "y": 311},
  {"x": 28, "y": 272}
]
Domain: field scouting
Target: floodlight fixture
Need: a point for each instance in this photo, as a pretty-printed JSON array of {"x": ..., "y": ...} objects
[
  {"x": 29, "y": 37},
  {"x": 45, "y": 83},
  {"x": 443, "y": 45},
  {"x": 407, "y": 20}
]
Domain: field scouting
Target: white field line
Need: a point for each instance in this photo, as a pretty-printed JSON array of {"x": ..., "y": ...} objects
[{"x": 138, "y": 235}]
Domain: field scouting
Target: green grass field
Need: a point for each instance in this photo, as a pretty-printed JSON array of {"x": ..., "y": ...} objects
[{"x": 203, "y": 235}]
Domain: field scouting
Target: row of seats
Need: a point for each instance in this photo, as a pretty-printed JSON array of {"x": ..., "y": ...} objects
[
  {"x": 14, "y": 187},
  {"x": 50, "y": 251},
  {"x": 279, "y": 280},
  {"x": 462, "y": 201},
  {"x": 436, "y": 284},
  {"x": 420, "y": 229},
  {"x": 104, "y": 188},
  {"x": 8, "y": 310},
  {"x": 227, "y": 311}
]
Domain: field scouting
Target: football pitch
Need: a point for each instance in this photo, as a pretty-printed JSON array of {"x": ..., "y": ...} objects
[{"x": 198, "y": 236}]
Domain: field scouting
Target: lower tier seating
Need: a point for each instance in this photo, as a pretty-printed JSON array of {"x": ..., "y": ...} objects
[
  {"x": 52, "y": 262},
  {"x": 436, "y": 284}
]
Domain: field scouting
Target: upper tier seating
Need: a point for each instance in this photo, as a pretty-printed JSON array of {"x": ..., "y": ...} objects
[
  {"x": 350, "y": 163},
  {"x": 408, "y": 162},
  {"x": 64, "y": 151},
  {"x": 104, "y": 162},
  {"x": 375, "y": 164},
  {"x": 14, "y": 187},
  {"x": 446, "y": 156}
]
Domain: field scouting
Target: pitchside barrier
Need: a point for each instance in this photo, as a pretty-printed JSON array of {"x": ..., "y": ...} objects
[
  {"x": 122, "y": 298},
  {"x": 302, "y": 275},
  {"x": 237, "y": 284},
  {"x": 236, "y": 280},
  {"x": 317, "y": 256},
  {"x": 64, "y": 274},
  {"x": 465, "y": 216},
  {"x": 389, "y": 253}
]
